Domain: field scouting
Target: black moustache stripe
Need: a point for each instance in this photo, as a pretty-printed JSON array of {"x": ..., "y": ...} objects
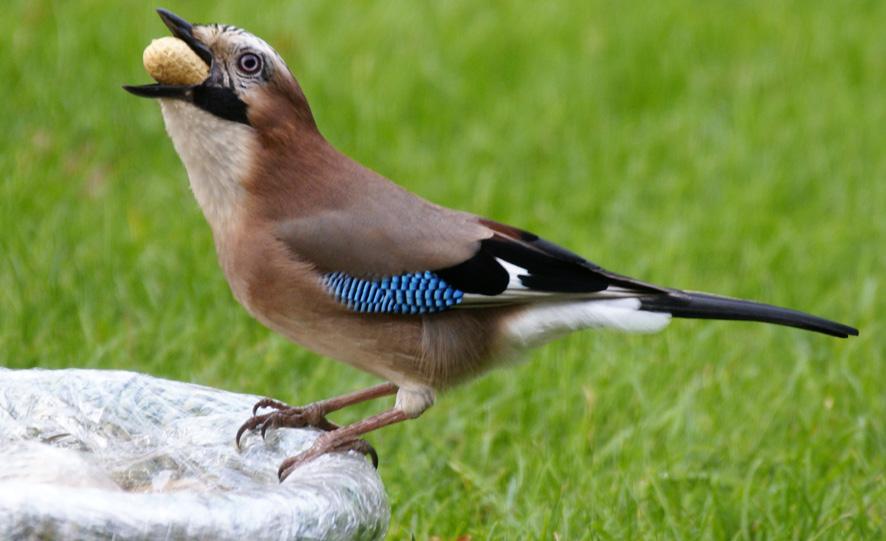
[{"x": 222, "y": 102}]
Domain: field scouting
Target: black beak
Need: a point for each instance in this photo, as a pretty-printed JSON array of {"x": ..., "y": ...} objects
[{"x": 184, "y": 31}]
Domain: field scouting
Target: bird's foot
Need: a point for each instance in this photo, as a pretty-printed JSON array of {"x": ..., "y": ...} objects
[
  {"x": 284, "y": 416},
  {"x": 328, "y": 442}
]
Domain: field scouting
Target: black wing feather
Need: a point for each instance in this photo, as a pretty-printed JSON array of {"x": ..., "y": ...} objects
[
  {"x": 480, "y": 274},
  {"x": 549, "y": 267}
]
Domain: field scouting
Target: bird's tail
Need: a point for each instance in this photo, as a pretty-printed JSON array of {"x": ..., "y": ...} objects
[{"x": 688, "y": 304}]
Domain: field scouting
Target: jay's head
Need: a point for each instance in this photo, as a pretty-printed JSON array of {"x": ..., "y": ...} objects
[
  {"x": 249, "y": 101},
  {"x": 248, "y": 82}
]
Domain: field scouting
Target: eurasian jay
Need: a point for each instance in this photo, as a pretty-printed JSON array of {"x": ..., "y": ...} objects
[{"x": 341, "y": 260}]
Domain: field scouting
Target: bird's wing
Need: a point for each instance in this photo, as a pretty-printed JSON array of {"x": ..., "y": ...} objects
[
  {"x": 381, "y": 249},
  {"x": 514, "y": 265},
  {"x": 413, "y": 257},
  {"x": 405, "y": 255}
]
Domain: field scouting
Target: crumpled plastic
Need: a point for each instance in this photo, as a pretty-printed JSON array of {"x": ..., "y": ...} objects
[{"x": 91, "y": 454}]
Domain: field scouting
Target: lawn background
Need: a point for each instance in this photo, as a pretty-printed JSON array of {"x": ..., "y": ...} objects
[{"x": 733, "y": 147}]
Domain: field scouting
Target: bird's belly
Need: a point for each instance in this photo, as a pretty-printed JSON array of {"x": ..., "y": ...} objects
[
  {"x": 392, "y": 352},
  {"x": 436, "y": 350},
  {"x": 290, "y": 300}
]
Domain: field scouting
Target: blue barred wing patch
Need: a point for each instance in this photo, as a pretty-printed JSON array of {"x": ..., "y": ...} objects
[{"x": 412, "y": 293}]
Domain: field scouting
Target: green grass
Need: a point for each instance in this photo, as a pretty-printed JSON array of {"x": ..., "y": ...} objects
[{"x": 733, "y": 147}]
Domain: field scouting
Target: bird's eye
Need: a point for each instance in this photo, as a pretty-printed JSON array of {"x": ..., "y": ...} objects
[{"x": 249, "y": 63}]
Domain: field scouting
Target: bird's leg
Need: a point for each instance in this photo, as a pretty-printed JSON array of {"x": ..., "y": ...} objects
[
  {"x": 410, "y": 404},
  {"x": 313, "y": 415}
]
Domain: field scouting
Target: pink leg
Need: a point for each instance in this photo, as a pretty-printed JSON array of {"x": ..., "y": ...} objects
[
  {"x": 313, "y": 415},
  {"x": 410, "y": 404}
]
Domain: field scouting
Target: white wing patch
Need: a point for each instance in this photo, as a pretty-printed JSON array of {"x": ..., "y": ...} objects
[
  {"x": 517, "y": 292},
  {"x": 542, "y": 322},
  {"x": 514, "y": 272}
]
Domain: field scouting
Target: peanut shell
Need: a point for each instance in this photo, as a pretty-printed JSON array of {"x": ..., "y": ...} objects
[{"x": 170, "y": 61}]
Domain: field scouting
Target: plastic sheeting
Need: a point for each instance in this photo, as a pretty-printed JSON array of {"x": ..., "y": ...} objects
[{"x": 87, "y": 454}]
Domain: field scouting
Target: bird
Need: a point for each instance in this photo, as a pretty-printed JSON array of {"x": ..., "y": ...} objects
[{"x": 337, "y": 258}]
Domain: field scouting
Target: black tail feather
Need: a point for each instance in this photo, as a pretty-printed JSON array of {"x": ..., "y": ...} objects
[{"x": 687, "y": 304}]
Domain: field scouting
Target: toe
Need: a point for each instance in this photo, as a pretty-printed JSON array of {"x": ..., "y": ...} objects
[
  {"x": 360, "y": 446},
  {"x": 268, "y": 403}
]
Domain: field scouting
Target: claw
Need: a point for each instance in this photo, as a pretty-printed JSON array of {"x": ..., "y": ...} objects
[
  {"x": 250, "y": 424},
  {"x": 257, "y": 406},
  {"x": 239, "y": 435},
  {"x": 285, "y": 469},
  {"x": 264, "y": 427}
]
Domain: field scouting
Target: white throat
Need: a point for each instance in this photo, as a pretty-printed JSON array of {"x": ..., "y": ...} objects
[{"x": 216, "y": 153}]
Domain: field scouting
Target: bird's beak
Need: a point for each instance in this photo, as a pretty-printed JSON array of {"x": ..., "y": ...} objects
[{"x": 184, "y": 31}]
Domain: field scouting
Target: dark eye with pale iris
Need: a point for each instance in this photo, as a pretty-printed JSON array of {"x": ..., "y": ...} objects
[{"x": 249, "y": 63}]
